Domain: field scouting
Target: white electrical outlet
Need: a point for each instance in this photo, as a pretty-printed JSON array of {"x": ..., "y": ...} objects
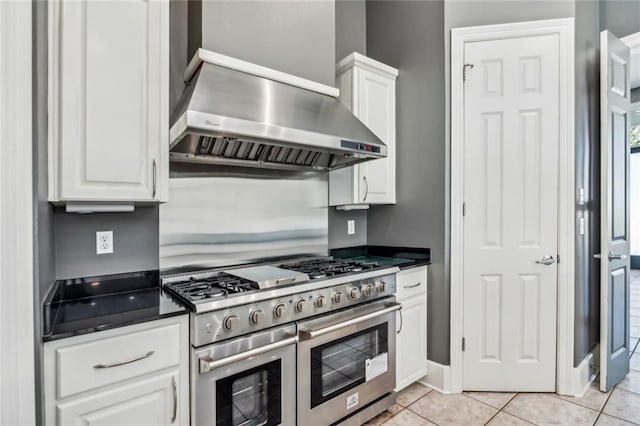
[
  {"x": 104, "y": 242},
  {"x": 351, "y": 227}
]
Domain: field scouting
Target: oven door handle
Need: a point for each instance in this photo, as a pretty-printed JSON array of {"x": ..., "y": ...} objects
[
  {"x": 207, "y": 363},
  {"x": 307, "y": 334}
]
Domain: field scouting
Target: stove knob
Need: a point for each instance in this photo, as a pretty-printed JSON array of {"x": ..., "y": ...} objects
[
  {"x": 382, "y": 286},
  {"x": 367, "y": 289},
  {"x": 256, "y": 316},
  {"x": 279, "y": 310},
  {"x": 300, "y": 305},
  {"x": 337, "y": 297},
  {"x": 321, "y": 302},
  {"x": 230, "y": 322},
  {"x": 354, "y": 293}
]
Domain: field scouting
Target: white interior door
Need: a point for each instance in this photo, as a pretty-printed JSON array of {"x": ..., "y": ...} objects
[
  {"x": 511, "y": 132},
  {"x": 615, "y": 107}
]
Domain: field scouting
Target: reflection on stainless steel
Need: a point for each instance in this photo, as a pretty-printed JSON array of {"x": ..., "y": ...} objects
[
  {"x": 231, "y": 117},
  {"x": 226, "y": 219},
  {"x": 332, "y": 354},
  {"x": 244, "y": 388}
]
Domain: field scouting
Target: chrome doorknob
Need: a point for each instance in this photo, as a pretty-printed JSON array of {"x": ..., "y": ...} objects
[
  {"x": 613, "y": 256},
  {"x": 546, "y": 260}
]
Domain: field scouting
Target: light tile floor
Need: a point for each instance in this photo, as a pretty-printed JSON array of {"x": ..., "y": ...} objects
[{"x": 419, "y": 405}]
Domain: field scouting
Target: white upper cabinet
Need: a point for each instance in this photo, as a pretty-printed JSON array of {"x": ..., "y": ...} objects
[
  {"x": 108, "y": 101},
  {"x": 368, "y": 89}
]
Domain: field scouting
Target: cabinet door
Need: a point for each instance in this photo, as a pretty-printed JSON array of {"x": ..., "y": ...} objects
[
  {"x": 152, "y": 401},
  {"x": 109, "y": 99},
  {"x": 411, "y": 341},
  {"x": 375, "y": 107}
]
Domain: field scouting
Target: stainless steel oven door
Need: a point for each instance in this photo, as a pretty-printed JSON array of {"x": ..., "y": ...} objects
[
  {"x": 345, "y": 361},
  {"x": 248, "y": 381}
]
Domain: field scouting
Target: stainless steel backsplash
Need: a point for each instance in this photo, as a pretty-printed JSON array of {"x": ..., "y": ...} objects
[{"x": 233, "y": 216}]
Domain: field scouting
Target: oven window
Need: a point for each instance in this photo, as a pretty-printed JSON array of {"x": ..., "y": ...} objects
[
  {"x": 250, "y": 398},
  {"x": 340, "y": 365}
]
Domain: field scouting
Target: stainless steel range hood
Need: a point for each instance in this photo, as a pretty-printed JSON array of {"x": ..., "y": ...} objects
[{"x": 236, "y": 113}]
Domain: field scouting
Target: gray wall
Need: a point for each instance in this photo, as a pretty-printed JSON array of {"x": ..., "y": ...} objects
[
  {"x": 351, "y": 27},
  {"x": 135, "y": 242},
  {"x": 43, "y": 241},
  {"x": 409, "y": 36},
  {"x": 351, "y": 36},
  {"x": 296, "y": 37},
  {"x": 338, "y": 236},
  {"x": 621, "y": 17},
  {"x": 587, "y": 134}
]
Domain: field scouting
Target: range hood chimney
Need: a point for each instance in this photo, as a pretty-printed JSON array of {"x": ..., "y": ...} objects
[{"x": 237, "y": 113}]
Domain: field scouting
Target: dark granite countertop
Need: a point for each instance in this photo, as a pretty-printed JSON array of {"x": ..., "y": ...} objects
[
  {"x": 403, "y": 257},
  {"x": 86, "y": 305}
]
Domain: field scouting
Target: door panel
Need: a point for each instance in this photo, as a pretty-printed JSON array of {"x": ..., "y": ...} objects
[
  {"x": 376, "y": 109},
  {"x": 149, "y": 401},
  {"x": 511, "y": 202},
  {"x": 112, "y": 98},
  {"x": 615, "y": 107}
]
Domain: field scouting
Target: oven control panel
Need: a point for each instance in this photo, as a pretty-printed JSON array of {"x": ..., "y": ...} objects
[{"x": 244, "y": 319}]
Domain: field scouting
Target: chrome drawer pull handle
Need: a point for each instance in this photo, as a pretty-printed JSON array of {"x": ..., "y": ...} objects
[
  {"x": 401, "y": 322},
  {"x": 207, "y": 363},
  {"x": 413, "y": 285},
  {"x": 307, "y": 334},
  {"x": 366, "y": 193},
  {"x": 155, "y": 177},
  {"x": 128, "y": 361},
  {"x": 175, "y": 399}
]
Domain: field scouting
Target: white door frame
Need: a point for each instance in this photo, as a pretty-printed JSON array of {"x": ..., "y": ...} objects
[
  {"x": 17, "y": 394},
  {"x": 563, "y": 28}
]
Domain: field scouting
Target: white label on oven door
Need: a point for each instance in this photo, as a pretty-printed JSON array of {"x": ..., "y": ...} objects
[
  {"x": 352, "y": 400},
  {"x": 376, "y": 366}
]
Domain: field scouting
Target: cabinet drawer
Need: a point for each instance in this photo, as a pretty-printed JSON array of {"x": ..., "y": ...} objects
[
  {"x": 410, "y": 282},
  {"x": 98, "y": 363}
]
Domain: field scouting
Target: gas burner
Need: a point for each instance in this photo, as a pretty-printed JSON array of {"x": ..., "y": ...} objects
[
  {"x": 216, "y": 286},
  {"x": 315, "y": 275},
  {"x": 328, "y": 267},
  {"x": 207, "y": 293}
]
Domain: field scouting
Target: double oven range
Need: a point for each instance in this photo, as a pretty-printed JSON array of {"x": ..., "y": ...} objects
[{"x": 306, "y": 342}]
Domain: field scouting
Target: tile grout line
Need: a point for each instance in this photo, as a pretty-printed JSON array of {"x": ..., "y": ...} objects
[
  {"x": 580, "y": 405},
  {"x": 616, "y": 417},
  {"x": 513, "y": 415},
  {"x": 601, "y": 412}
]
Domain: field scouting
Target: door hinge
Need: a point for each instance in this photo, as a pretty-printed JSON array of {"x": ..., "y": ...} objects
[
  {"x": 464, "y": 209},
  {"x": 463, "y": 344},
  {"x": 464, "y": 71},
  {"x": 557, "y": 258}
]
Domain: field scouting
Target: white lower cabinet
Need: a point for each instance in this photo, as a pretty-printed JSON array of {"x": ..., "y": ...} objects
[
  {"x": 149, "y": 401},
  {"x": 134, "y": 375},
  {"x": 411, "y": 323}
]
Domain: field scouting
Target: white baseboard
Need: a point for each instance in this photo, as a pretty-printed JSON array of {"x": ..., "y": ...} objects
[
  {"x": 438, "y": 377},
  {"x": 581, "y": 376}
]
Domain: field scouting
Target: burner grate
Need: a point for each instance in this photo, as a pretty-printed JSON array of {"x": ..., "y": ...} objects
[
  {"x": 213, "y": 287},
  {"x": 323, "y": 268}
]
